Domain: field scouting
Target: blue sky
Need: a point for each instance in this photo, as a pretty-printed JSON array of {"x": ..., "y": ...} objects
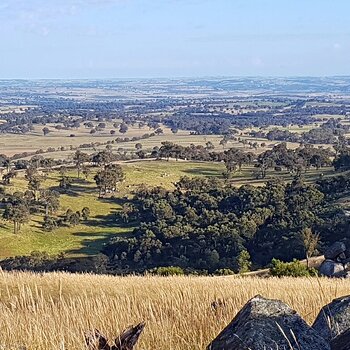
[{"x": 173, "y": 38}]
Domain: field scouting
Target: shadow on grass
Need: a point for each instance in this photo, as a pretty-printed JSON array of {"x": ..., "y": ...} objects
[
  {"x": 104, "y": 221},
  {"x": 74, "y": 191},
  {"x": 114, "y": 200},
  {"x": 93, "y": 243},
  {"x": 204, "y": 171},
  {"x": 109, "y": 221}
]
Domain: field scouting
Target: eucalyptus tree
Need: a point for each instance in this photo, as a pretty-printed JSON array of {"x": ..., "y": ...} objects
[
  {"x": 108, "y": 179},
  {"x": 79, "y": 159}
]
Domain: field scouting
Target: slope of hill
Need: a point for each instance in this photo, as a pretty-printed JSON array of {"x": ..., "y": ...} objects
[{"x": 52, "y": 311}]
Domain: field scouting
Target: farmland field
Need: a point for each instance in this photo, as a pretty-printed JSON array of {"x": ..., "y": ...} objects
[{"x": 35, "y": 140}]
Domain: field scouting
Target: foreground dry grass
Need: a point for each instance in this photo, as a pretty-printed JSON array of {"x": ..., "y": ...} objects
[{"x": 52, "y": 311}]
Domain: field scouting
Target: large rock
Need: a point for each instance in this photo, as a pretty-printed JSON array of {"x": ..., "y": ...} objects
[
  {"x": 331, "y": 268},
  {"x": 335, "y": 250},
  {"x": 347, "y": 244},
  {"x": 333, "y": 318},
  {"x": 265, "y": 324},
  {"x": 342, "y": 341}
]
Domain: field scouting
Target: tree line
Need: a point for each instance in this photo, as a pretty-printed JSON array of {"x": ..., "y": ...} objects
[{"x": 207, "y": 224}]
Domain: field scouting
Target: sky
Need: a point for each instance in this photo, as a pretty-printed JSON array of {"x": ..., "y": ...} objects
[{"x": 92, "y": 39}]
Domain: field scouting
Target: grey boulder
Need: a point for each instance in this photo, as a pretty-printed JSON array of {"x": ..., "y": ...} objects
[
  {"x": 342, "y": 341},
  {"x": 335, "y": 250},
  {"x": 333, "y": 319},
  {"x": 265, "y": 324},
  {"x": 331, "y": 268}
]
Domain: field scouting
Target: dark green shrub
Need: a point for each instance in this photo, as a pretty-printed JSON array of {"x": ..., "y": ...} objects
[
  {"x": 49, "y": 224},
  {"x": 293, "y": 269}
]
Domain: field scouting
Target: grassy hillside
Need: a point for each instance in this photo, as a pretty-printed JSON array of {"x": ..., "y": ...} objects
[
  {"x": 52, "y": 311},
  {"x": 88, "y": 238}
]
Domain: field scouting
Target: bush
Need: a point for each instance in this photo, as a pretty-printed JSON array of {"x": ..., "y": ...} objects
[
  {"x": 49, "y": 224},
  {"x": 168, "y": 271},
  {"x": 293, "y": 269},
  {"x": 243, "y": 262},
  {"x": 85, "y": 213}
]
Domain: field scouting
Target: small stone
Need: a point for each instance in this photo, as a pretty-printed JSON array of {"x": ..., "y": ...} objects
[
  {"x": 265, "y": 324},
  {"x": 333, "y": 318},
  {"x": 331, "y": 268}
]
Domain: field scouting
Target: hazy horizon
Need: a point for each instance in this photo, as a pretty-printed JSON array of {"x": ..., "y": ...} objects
[{"x": 199, "y": 77}]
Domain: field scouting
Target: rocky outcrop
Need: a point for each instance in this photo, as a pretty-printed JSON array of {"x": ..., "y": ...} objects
[
  {"x": 342, "y": 341},
  {"x": 265, "y": 324},
  {"x": 335, "y": 250},
  {"x": 262, "y": 324},
  {"x": 333, "y": 319},
  {"x": 336, "y": 264},
  {"x": 331, "y": 268}
]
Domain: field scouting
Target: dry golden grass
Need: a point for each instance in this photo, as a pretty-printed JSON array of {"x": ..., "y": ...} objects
[{"x": 52, "y": 311}]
